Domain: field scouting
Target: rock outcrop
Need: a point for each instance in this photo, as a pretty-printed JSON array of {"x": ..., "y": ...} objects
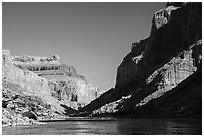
[
  {"x": 16, "y": 101},
  {"x": 52, "y": 78},
  {"x": 42, "y": 81},
  {"x": 72, "y": 91},
  {"x": 157, "y": 64},
  {"x": 31, "y": 82},
  {"x": 185, "y": 100}
]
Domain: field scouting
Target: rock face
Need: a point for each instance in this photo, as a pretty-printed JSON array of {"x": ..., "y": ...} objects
[
  {"x": 45, "y": 81},
  {"x": 182, "y": 101},
  {"x": 59, "y": 80},
  {"x": 159, "y": 63},
  {"x": 72, "y": 91},
  {"x": 173, "y": 30},
  {"x": 24, "y": 78},
  {"x": 16, "y": 102}
]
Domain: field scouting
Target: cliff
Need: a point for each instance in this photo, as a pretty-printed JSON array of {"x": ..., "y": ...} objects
[
  {"x": 72, "y": 91},
  {"x": 158, "y": 64},
  {"x": 42, "y": 86},
  {"x": 185, "y": 100},
  {"x": 31, "y": 82}
]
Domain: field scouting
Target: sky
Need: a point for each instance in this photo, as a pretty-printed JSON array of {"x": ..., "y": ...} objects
[{"x": 92, "y": 37}]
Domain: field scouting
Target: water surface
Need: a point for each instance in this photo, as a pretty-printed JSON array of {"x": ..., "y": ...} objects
[{"x": 120, "y": 126}]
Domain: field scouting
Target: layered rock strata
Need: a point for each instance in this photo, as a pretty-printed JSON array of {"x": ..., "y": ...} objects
[
  {"x": 157, "y": 64},
  {"x": 46, "y": 81},
  {"x": 62, "y": 80}
]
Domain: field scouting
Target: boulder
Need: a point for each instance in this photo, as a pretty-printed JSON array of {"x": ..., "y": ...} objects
[{"x": 30, "y": 115}]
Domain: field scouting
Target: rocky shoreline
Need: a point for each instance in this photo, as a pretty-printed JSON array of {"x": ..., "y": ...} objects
[{"x": 22, "y": 109}]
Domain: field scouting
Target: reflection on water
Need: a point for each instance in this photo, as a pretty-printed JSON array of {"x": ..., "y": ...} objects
[
  {"x": 158, "y": 126},
  {"x": 122, "y": 126}
]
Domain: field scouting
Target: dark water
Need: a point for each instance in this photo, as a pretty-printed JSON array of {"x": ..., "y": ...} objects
[{"x": 122, "y": 126}]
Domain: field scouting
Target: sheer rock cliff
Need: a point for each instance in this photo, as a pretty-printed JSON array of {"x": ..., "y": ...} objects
[{"x": 158, "y": 65}]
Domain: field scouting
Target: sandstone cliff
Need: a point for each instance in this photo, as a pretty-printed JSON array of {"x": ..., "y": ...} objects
[
  {"x": 157, "y": 64},
  {"x": 31, "y": 82},
  {"x": 42, "y": 86},
  {"x": 72, "y": 91},
  {"x": 58, "y": 80}
]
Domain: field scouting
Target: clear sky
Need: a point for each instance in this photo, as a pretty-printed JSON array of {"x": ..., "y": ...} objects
[{"x": 92, "y": 37}]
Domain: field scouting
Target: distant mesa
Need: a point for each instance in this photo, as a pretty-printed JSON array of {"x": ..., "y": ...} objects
[{"x": 44, "y": 66}]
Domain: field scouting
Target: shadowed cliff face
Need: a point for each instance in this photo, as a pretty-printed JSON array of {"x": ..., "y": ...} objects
[
  {"x": 158, "y": 63},
  {"x": 174, "y": 29},
  {"x": 185, "y": 100}
]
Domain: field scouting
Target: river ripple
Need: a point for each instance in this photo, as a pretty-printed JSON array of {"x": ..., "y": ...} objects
[{"x": 119, "y": 126}]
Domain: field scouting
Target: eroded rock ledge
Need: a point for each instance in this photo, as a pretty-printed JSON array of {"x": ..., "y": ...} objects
[{"x": 46, "y": 82}]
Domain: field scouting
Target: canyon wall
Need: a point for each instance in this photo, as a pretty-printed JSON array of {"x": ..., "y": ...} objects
[
  {"x": 157, "y": 64},
  {"x": 42, "y": 87},
  {"x": 65, "y": 84},
  {"x": 26, "y": 79},
  {"x": 31, "y": 82},
  {"x": 173, "y": 29}
]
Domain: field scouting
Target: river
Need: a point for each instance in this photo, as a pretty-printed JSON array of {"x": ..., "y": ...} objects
[{"x": 112, "y": 127}]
